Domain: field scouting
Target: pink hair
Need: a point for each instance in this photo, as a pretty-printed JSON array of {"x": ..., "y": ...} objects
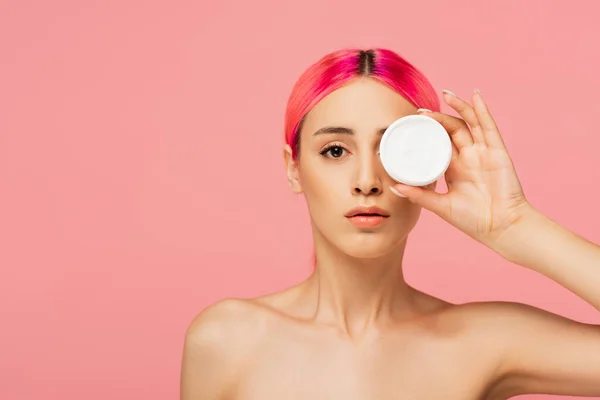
[{"x": 335, "y": 69}]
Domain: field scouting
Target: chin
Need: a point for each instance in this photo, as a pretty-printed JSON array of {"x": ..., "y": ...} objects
[
  {"x": 369, "y": 247},
  {"x": 361, "y": 244}
]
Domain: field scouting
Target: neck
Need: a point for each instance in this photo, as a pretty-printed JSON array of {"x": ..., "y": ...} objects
[{"x": 354, "y": 293}]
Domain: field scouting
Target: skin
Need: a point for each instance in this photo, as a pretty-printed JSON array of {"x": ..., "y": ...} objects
[{"x": 355, "y": 329}]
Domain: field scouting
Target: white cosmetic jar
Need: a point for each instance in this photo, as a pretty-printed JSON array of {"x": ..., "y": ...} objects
[{"x": 415, "y": 150}]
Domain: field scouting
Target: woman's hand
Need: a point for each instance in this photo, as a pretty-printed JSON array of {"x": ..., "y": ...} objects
[{"x": 484, "y": 197}]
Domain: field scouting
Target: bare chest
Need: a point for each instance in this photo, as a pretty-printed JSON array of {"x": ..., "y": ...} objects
[{"x": 417, "y": 368}]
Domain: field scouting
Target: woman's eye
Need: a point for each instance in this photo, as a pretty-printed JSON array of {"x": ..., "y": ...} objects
[{"x": 333, "y": 152}]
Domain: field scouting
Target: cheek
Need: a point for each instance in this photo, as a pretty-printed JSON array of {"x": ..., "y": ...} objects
[
  {"x": 325, "y": 185},
  {"x": 408, "y": 212}
]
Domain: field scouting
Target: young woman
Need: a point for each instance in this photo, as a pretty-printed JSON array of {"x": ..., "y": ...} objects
[{"x": 355, "y": 329}]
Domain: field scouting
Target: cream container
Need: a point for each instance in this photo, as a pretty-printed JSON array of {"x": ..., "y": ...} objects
[{"x": 415, "y": 150}]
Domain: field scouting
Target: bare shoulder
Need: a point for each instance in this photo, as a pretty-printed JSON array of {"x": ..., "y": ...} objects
[
  {"x": 488, "y": 331},
  {"x": 226, "y": 324},
  {"x": 491, "y": 310},
  {"x": 217, "y": 342},
  {"x": 531, "y": 350},
  {"x": 500, "y": 322},
  {"x": 234, "y": 323},
  {"x": 505, "y": 318},
  {"x": 226, "y": 328}
]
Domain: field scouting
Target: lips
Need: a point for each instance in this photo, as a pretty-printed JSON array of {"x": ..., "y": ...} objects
[
  {"x": 368, "y": 218},
  {"x": 363, "y": 211}
]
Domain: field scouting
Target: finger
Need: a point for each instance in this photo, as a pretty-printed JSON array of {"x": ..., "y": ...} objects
[
  {"x": 456, "y": 127},
  {"x": 424, "y": 197},
  {"x": 454, "y": 157},
  {"x": 468, "y": 114},
  {"x": 490, "y": 130},
  {"x": 453, "y": 164}
]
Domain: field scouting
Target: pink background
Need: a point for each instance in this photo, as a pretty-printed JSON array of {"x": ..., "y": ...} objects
[{"x": 141, "y": 175}]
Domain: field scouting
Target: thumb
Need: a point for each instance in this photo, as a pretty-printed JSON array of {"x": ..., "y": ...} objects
[{"x": 427, "y": 198}]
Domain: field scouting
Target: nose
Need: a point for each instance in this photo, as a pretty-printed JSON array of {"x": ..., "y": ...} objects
[{"x": 368, "y": 180}]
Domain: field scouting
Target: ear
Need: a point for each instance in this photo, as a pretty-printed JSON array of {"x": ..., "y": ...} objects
[{"x": 291, "y": 169}]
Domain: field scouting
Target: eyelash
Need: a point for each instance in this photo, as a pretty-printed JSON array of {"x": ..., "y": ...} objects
[{"x": 332, "y": 146}]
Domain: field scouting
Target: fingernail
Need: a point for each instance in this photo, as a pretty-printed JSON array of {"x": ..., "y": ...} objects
[
  {"x": 449, "y": 92},
  {"x": 397, "y": 193},
  {"x": 423, "y": 110},
  {"x": 477, "y": 91}
]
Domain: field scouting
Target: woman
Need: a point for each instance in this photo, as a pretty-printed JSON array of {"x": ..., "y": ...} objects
[{"x": 355, "y": 329}]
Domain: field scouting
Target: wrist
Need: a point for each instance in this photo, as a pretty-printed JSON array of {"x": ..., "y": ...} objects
[{"x": 518, "y": 238}]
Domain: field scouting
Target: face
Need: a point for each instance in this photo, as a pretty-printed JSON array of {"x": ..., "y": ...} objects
[{"x": 339, "y": 170}]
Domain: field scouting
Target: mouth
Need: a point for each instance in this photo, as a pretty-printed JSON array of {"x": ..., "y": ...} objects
[
  {"x": 367, "y": 212},
  {"x": 367, "y": 216}
]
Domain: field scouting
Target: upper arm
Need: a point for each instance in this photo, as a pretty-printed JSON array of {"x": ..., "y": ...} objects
[
  {"x": 211, "y": 352},
  {"x": 541, "y": 352}
]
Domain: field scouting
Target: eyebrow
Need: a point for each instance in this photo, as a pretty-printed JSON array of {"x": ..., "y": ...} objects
[{"x": 341, "y": 129}]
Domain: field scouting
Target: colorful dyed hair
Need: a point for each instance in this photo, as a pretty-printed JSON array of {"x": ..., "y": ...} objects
[{"x": 336, "y": 69}]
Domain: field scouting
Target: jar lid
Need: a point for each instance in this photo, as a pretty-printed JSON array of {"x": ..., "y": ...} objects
[{"x": 415, "y": 150}]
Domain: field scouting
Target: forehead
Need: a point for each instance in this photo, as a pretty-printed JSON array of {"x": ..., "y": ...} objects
[{"x": 362, "y": 104}]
